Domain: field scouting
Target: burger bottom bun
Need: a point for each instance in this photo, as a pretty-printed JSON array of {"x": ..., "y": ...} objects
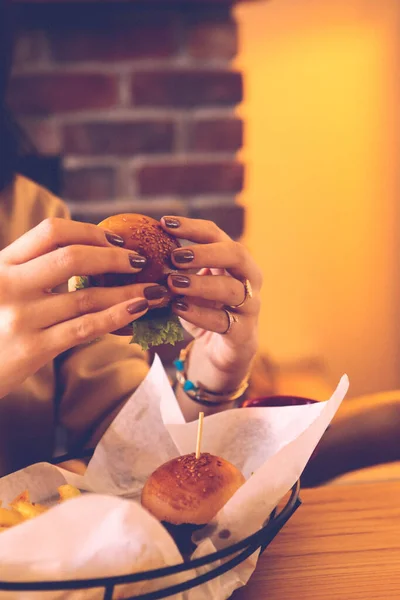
[{"x": 124, "y": 331}]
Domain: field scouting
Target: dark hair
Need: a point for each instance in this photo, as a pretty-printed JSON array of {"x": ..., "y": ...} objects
[{"x": 8, "y": 128}]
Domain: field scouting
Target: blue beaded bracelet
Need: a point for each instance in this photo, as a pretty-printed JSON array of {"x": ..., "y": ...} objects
[{"x": 200, "y": 394}]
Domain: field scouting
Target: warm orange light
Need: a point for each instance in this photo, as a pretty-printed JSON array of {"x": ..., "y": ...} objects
[{"x": 322, "y": 105}]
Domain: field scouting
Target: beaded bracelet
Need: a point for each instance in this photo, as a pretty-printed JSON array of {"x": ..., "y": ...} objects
[{"x": 200, "y": 394}]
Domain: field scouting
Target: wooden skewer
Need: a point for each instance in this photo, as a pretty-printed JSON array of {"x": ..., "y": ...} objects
[{"x": 199, "y": 434}]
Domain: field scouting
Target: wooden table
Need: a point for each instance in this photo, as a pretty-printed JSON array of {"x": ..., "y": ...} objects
[{"x": 343, "y": 543}]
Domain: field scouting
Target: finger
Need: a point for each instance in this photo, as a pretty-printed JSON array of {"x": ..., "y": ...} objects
[
  {"x": 231, "y": 256},
  {"x": 89, "y": 327},
  {"x": 56, "y": 308},
  {"x": 202, "y": 302},
  {"x": 210, "y": 319},
  {"x": 195, "y": 230},
  {"x": 53, "y": 233},
  {"x": 57, "y": 267},
  {"x": 220, "y": 288}
]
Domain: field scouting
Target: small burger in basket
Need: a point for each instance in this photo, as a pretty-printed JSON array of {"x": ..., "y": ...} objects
[
  {"x": 186, "y": 493},
  {"x": 145, "y": 236}
]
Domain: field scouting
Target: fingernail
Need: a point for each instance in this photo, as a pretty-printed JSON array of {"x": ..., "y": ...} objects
[
  {"x": 137, "y": 306},
  {"x": 171, "y": 222},
  {"x": 155, "y": 292},
  {"x": 183, "y": 256},
  {"x": 137, "y": 261},
  {"x": 180, "y": 281},
  {"x": 115, "y": 239},
  {"x": 181, "y": 305}
]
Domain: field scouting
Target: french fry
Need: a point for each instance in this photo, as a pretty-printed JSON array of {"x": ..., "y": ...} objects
[
  {"x": 23, "y": 496},
  {"x": 28, "y": 510},
  {"x": 40, "y": 508},
  {"x": 67, "y": 492},
  {"x": 9, "y": 517},
  {"x": 22, "y": 509}
]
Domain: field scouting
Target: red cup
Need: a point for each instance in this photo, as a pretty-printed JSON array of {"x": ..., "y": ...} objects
[{"x": 277, "y": 401}]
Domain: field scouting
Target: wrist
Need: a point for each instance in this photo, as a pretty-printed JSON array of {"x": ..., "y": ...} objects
[
  {"x": 219, "y": 375},
  {"x": 223, "y": 390}
]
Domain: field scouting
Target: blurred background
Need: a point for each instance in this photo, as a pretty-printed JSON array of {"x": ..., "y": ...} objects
[
  {"x": 322, "y": 181},
  {"x": 277, "y": 119}
]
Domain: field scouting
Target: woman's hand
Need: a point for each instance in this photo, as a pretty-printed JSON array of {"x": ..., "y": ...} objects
[
  {"x": 222, "y": 353},
  {"x": 36, "y": 322}
]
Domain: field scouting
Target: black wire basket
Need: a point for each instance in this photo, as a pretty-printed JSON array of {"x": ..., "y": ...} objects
[{"x": 236, "y": 553}]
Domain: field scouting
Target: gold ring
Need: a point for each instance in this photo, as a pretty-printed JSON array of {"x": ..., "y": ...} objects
[
  {"x": 231, "y": 318},
  {"x": 248, "y": 293}
]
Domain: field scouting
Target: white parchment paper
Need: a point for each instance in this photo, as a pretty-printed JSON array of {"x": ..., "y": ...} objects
[{"x": 106, "y": 532}]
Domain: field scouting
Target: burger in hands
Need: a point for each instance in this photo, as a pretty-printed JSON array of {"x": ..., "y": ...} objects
[
  {"x": 145, "y": 236},
  {"x": 186, "y": 493}
]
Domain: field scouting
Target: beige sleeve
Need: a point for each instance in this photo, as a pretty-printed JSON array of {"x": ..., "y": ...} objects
[{"x": 94, "y": 381}]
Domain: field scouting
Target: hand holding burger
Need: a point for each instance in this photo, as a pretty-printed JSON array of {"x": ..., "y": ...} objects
[
  {"x": 213, "y": 287},
  {"x": 219, "y": 306},
  {"x": 39, "y": 320}
]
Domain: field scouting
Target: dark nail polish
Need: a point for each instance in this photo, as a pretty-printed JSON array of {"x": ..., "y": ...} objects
[
  {"x": 171, "y": 222},
  {"x": 137, "y": 261},
  {"x": 180, "y": 281},
  {"x": 155, "y": 292},
  {"x": 183, "y": 256},
  {"x": 137, "y": 306},
  {"x": 114, "y": 239},
  {"x": 181, "y": 305}
]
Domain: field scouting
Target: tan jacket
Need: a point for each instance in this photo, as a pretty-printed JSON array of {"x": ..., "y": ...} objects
[{"x": 83, "y": 389}]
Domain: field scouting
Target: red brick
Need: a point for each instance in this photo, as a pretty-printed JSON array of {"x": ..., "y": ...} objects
[
  {"x": 121, "y": 138},
  {"x": 213, "y": 41},
  {"x": 45, "y": 135},
  {"x": 188, "y": 179},
  {"x": 30, "y": 48},
  {"x": 89, "y": 184},
  {"x": 110, "y": 43},
  {"x": 215, "y": 135},
  {"x": 52, "y": 93},
  {"x": 187, "y": 88},
  {"x": 230, "y": 218}
]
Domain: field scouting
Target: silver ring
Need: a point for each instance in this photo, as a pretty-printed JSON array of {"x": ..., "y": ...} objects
[
  {"x": 248, "y": 293},
  {"x": 231, "y": 318}
]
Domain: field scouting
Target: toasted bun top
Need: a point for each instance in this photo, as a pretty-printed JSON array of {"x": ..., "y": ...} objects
[
  {"x": 186, "y": 490},
  {"x": 146, "y": 236}
]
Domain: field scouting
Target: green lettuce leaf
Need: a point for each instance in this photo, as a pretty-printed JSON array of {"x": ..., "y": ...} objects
[
  {"x": 156, "y": 330},
  {"x": 157, "y": 327}
]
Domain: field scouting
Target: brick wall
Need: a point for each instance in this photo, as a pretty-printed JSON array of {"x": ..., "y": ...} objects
[{"x": 140, "y": 102}]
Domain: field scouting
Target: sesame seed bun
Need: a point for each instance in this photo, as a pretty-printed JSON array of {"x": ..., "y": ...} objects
[
  {"x": 190, "y": 490},
  {"x": 146, "y": 236}
]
